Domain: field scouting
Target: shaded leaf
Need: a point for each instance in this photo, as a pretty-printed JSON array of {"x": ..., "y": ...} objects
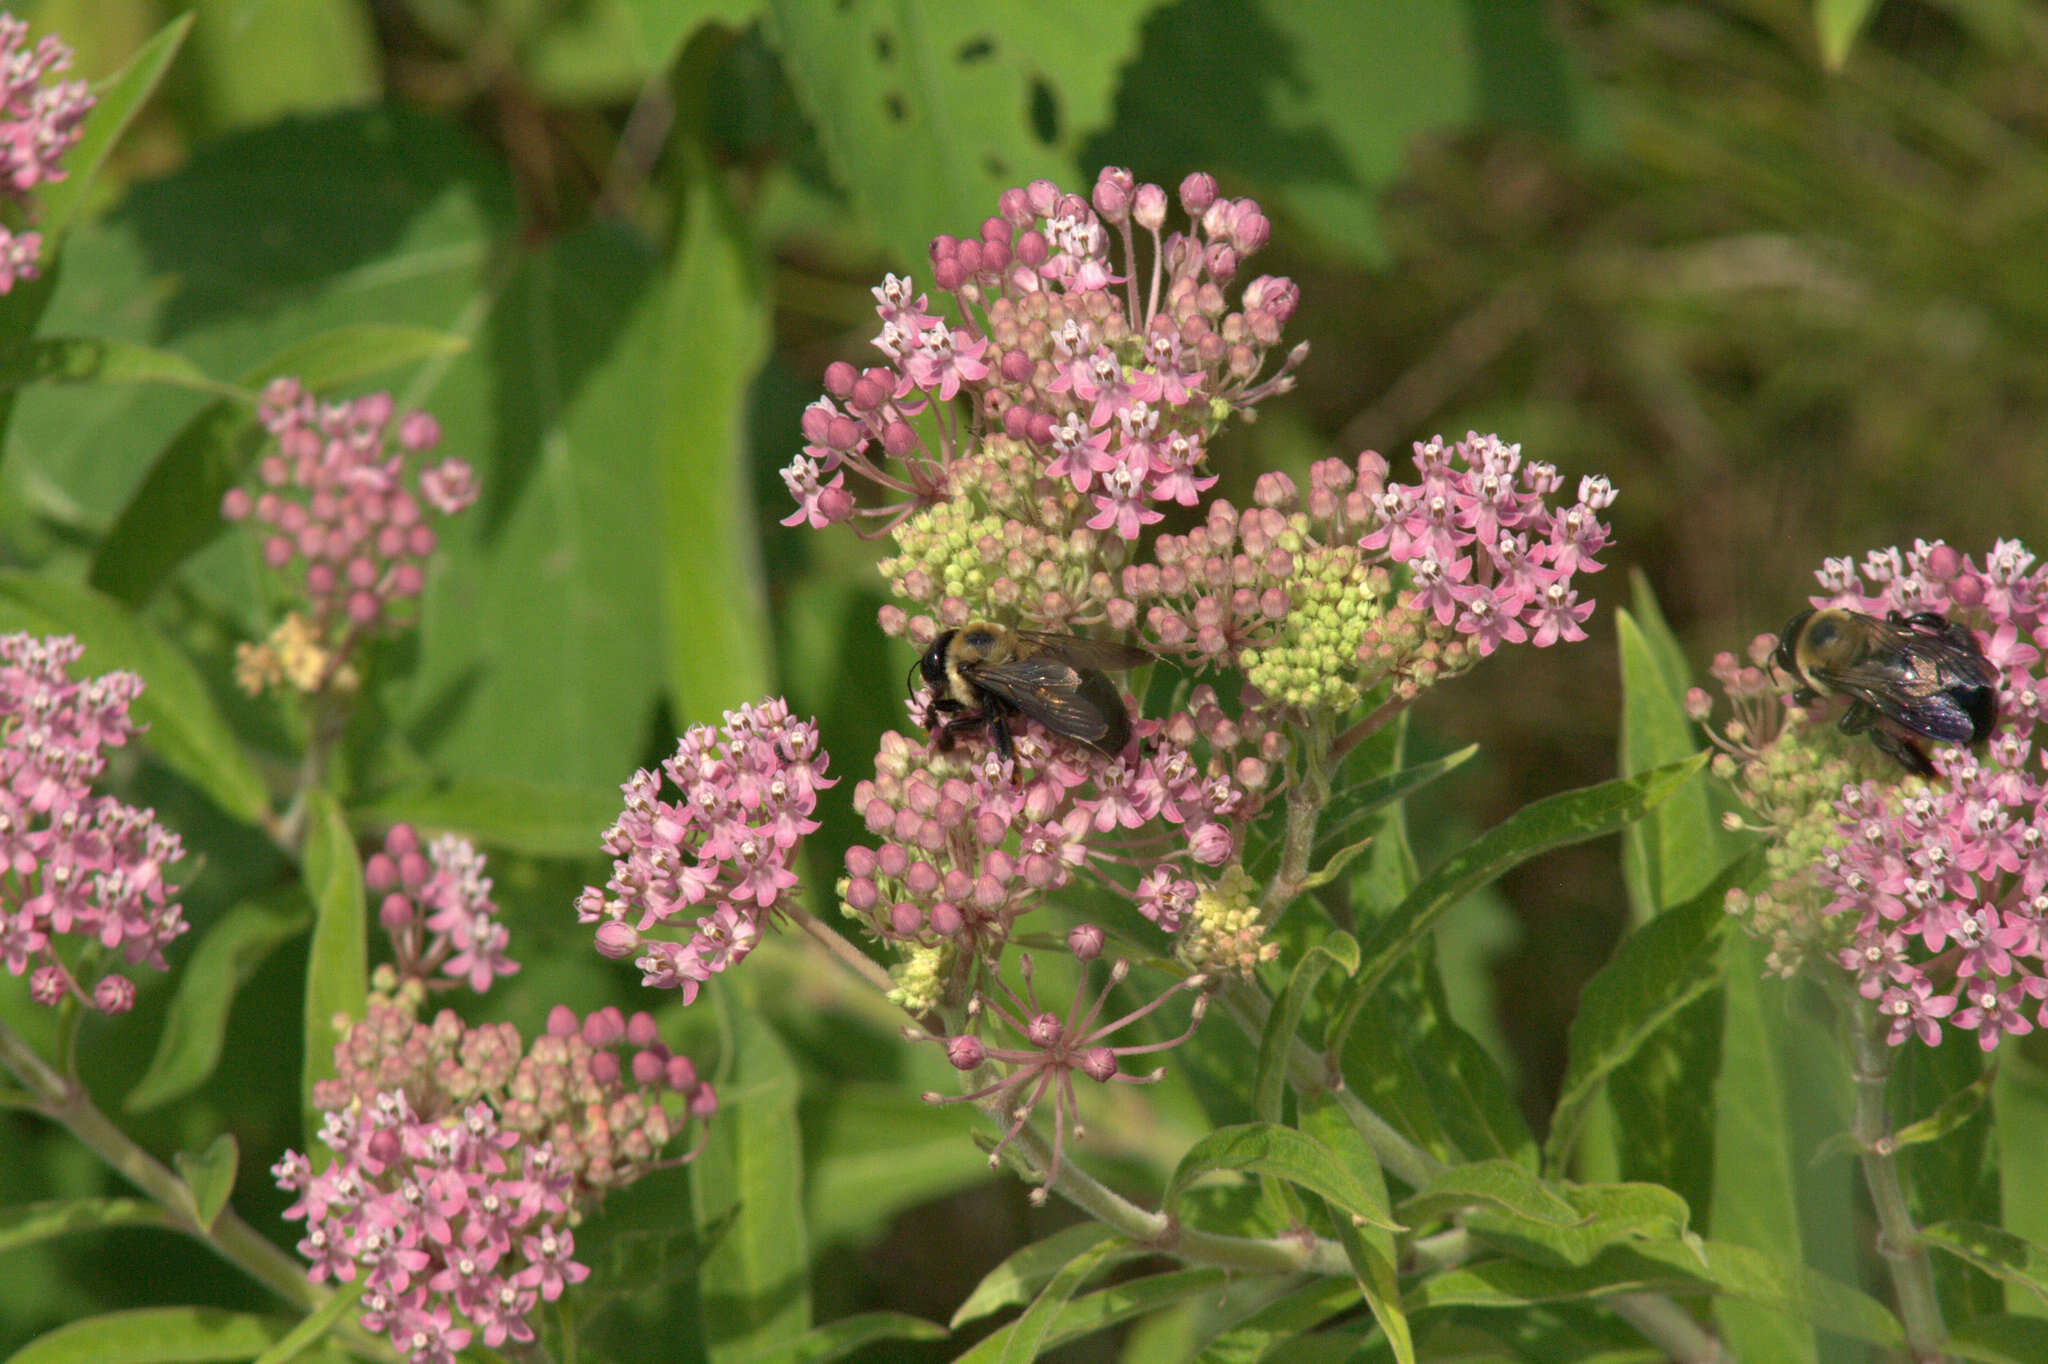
[
  {"x": 1278, "y": 1330},
  {"x": 337, "y": 970},
  {"x": 314, "y": 1326},
  {"x": 1657, "y": 973},
  {"x": 1284, "y": 1020},
  {"x": 1375, "y": 1259},
  {"x": 1106, "y": 1307},
  {"x": 1836, "y": 24},
  {"x": 1553, "y": 822},
  {"x": 838, "y": 1339},
  {"x": 1028, "y": 1335},
  {"x": 501, "y": 812},
  {"x": 1994, "y": 1250},
  {"x": 227, "y": 954},
  {"x": 92, "y": 360},
  {"x": 118, "y": 99},
  {"x": 746, "y": 1190},
  {"x": 2000, "y": 1339}
]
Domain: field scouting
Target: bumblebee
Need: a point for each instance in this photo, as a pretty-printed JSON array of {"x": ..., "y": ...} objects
[
  {"x": 1906, "y": 677},
  {"x": 983, "y": 676}
]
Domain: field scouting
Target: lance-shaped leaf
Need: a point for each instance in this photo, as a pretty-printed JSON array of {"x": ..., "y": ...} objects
[
  {"x": 1675, "y": 1267},
  {"x": 838, "y": 1339},
  {"x": 1660, "y": 970},
  {"x": 516, "y": 816},
  {"x": 1266, "y": 1149},
  {"x": 2000, "y": 1338},
  {"x": 1951, "y": 1113},
  {"x": 1282, "y": 1022},
  {"x": 1994, "y": 1250},
  {"x": 151, "y": 1335},
  {"x": 117, "y": 100},
  {"x": 24, "y": 1224},
  {"x": 1027, "y": 1336},
  {"x": 1374, "y": 1258},
  {"x": 1279, "y": 1330},
  {"x": 1553, "y": 822},
  {"x": 227, "y": 954},
  {"x": 1106, "y": 1307},
  {"x": 209, "y": 1176},
  {"x": 337, "y": 971},
  {"x": 93, "y": 360},
  {"x": 1024, "y": 1272}
]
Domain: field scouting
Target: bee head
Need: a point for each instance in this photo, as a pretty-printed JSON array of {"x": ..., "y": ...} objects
[
  {"x": 1786, "y": 656},
  {"x": 931, "y": 668}
]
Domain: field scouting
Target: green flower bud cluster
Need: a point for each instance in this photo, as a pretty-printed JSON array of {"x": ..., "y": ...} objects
[
  {"x": 1312, "y": 662},
  {"x": 1790, "y": 785},
  {"x": 921, "y": 977},
  {"x": 1224, "y": 932}
]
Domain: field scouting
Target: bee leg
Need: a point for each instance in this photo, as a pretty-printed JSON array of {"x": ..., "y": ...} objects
[
  {"x": 1856, "y": 719},
  {"x": 999, "y": 735},
  {"x": 1903, "y": 751}
]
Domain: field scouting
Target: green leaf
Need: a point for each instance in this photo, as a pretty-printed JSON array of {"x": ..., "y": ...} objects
[
  {"x": 1023, "y": 1272},
  {"x": 337, "y": 971},
  {"x": 1675, "y": 850},
  {"x": 1028, "y": 1335},
  {"x": 1957, "y": 1109},
  {"x": 1659, "y": 971},
  {"x": 1714, "y": 1266},
  {"x": 1606, "y": 1214},
  {"x": 1375, "y": 1259},
  {"x": 262, "y": 63},
  {"x": 1362, "y": 801},
  {"x": 1835, "y": 26},
  {"x": 838, "y": 1339},
  {"x": 1501, "y": 1185},
  {"x": 93, "y": 360},
  {"x": 1106, "y": 1307},
  {"x": 1263, "y": 1148},
  {"x": 1553, "y": 822},
  {"x": 1994, "y": 1250},
  {"x": 713, "y": 598},
  {"x": 874, "y": 1151},
  {"x": 1756, "y": 1191},
  {"x": 183, "y": 726},
  {"x": 516, "y": 816},
  {"x": 1282, "y": 1325},
  {"x": 210, "y": 1176},
  {"x": 746, "y": 1190},
  {"x": 176, "y": 511},
  {"x": 1284, "y": 1021},
  {"x": 2019, "y": 1109},
  {"x": 118, "y": 99},
  {"x": 27, "y": 1223},
  {"x": 2000, "y": 1339},
  {"x": 227, "y": 954},
  {"x": 155, "y": 1335},
  {"x": 927, "y": 112}
]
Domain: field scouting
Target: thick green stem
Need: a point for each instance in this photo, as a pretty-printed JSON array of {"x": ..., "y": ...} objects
[
  {"x": 1899, "y": 1244},
  {"x": 1307, "y": 794}
]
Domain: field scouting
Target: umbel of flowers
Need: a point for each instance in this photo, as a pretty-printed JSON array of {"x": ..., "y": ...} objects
[
  {"x": 345, "y": 499},
  {"x": 84, "y": 874},
  {"x": 1932, "y": 894},
  {"x": 462, "y": 1160},
  {"x": 694, "y": 879},
  {"x": 38, "y": 123}
]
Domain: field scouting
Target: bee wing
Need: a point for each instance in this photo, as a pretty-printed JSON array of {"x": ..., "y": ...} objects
[
  {"x": 1050, "y": 691},
  {"x": 1916, "y": 698},
  {"x": 1083, "y": 652}
]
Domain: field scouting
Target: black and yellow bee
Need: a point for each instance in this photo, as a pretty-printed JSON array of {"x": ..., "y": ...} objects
[
  {"x": 982, "y": 676},
  {"x": 1906, "y": 678}
]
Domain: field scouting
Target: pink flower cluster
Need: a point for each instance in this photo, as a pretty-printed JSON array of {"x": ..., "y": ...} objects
[
  {"x": 747, "y": 793},
  {"x": 75, "y": 864},
  {"x": 437, "y": 909},
  {"x": 1053, "y": 1050},
  {"x": 1948, "y": 882},
  {"x": 339, "y": 500},
  {"x": 38, "y": 124},
  {"x": 460, "y": 1165},
  {"x": 1937, "y": 890},
  {"x": 966, "y": 846},
  {"x": 1113, "y": 373}
]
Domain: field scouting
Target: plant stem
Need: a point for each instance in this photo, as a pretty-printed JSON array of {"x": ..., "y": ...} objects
[
  {"x": 66, "y": 1102},
  {"x": 1898, "y": 1240},
  {"x": 1307, "y": 794},
  {"x": 843, "y": 951}
]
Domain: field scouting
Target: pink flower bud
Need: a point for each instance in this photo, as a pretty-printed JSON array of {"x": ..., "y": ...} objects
[
  {"x": 113, "y": 994},
  {"x": 1197, "y": 192},
  {"x": 965, "y": 1051},
  {"x": 1085, "y": 941}
]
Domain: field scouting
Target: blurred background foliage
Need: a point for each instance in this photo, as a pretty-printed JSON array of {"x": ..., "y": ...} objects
[{"x": 1773, "y": 267}]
